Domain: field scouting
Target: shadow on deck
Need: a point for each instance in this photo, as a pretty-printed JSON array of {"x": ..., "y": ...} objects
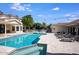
[{"x": 62, "y": 54}]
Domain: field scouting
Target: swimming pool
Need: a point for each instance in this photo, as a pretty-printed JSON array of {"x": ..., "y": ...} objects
[{"x": 19, "y": 41}]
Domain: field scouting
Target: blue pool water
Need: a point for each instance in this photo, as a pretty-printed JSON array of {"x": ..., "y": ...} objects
[{"x": 19, "y": 41}]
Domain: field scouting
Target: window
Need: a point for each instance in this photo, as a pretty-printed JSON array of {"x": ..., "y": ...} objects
[
  {"x": 17, "y": 28},
  {"x": 13, "y": 28}
]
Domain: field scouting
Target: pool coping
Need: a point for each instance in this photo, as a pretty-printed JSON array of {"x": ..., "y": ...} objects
[{"x": 38, "y": 44}]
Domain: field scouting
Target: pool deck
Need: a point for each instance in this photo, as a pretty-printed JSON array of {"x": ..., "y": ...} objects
[
  {"x": 5, "y": 50},
  {"x": 54, "y": 46}
]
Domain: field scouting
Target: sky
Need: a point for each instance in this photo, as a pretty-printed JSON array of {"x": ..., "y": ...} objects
[{"x": 49, "y": 13}]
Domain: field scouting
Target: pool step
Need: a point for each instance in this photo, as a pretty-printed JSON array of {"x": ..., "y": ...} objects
[
  {"x": 26, "y": 51},
  {"x": 35, "y": 49}
]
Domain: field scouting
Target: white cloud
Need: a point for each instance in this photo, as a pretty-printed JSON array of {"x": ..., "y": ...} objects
[
  {"x": 28, "y": 9},
  {"x": 70, "y": 15},
  {"x": 56, "y": 9},
  {"x": 27, "y": 5},
  {"x": 73, "y": 15},
  {"x": 67, "y": 15},
  {"x": 18, "y": 7},
  {"x": 49, "y": 16},
  {"x": 40, "y": 15},
  {"x": 46, "y": 16}
]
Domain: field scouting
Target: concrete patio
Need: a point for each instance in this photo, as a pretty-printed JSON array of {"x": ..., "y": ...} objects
[
  {"x": 5, "y": 50},
  {"x": 55, "y": 46}
]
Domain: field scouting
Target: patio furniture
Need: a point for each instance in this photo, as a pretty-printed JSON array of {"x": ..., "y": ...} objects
[
  {"x": 68, "y": 35},
  {"x": 67, "y": 39},
  {"x": 58, "y": 34},
  {"x": 76, "y": 38}
]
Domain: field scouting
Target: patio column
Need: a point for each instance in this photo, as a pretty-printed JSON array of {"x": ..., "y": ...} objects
[
  {"x": 76, "y": 30},
  {"x": 68, "y": 30},
  {"x": 15, "y": 28},
  {"x": 19, "y": 28},
  {"x": 22, "y": 28},
  {"x": 5, "y": 28},
  {"x": 71, "y": 29}
]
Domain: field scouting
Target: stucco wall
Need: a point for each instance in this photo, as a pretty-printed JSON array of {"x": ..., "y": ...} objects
[
  {"x": 59, "y": 28},
  {"x": 20, "y": 31},
  {"x": 9, "y": 27}
]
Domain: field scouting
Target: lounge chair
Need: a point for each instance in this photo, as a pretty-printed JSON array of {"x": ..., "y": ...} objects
[
  {"x": 67, "y": 39},
  {"x": 76, "y": 38},
  {"x": 59, "y": 35}
]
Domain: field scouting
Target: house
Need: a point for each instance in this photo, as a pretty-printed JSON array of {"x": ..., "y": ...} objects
[
  {"x": 59, "y": 27},
  {"x": 10, "y": 24},
  {"x": 71, "y": 27}
]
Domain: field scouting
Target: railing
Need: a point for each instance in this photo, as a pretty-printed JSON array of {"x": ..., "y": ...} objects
[{"x": 35, "y": 49}]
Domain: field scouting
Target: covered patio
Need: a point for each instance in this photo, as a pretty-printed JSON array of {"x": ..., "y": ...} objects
[
  {"x": 71, "y": 27},
  {"x": 11, "y": 26}
]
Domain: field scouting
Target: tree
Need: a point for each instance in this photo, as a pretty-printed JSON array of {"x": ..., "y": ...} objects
[
  {"x": 37, "y": 26},
  {"x": 49, "y": 28},
  {"x": 27, "y": 21},
  {"x": 44, "y": 26}
]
